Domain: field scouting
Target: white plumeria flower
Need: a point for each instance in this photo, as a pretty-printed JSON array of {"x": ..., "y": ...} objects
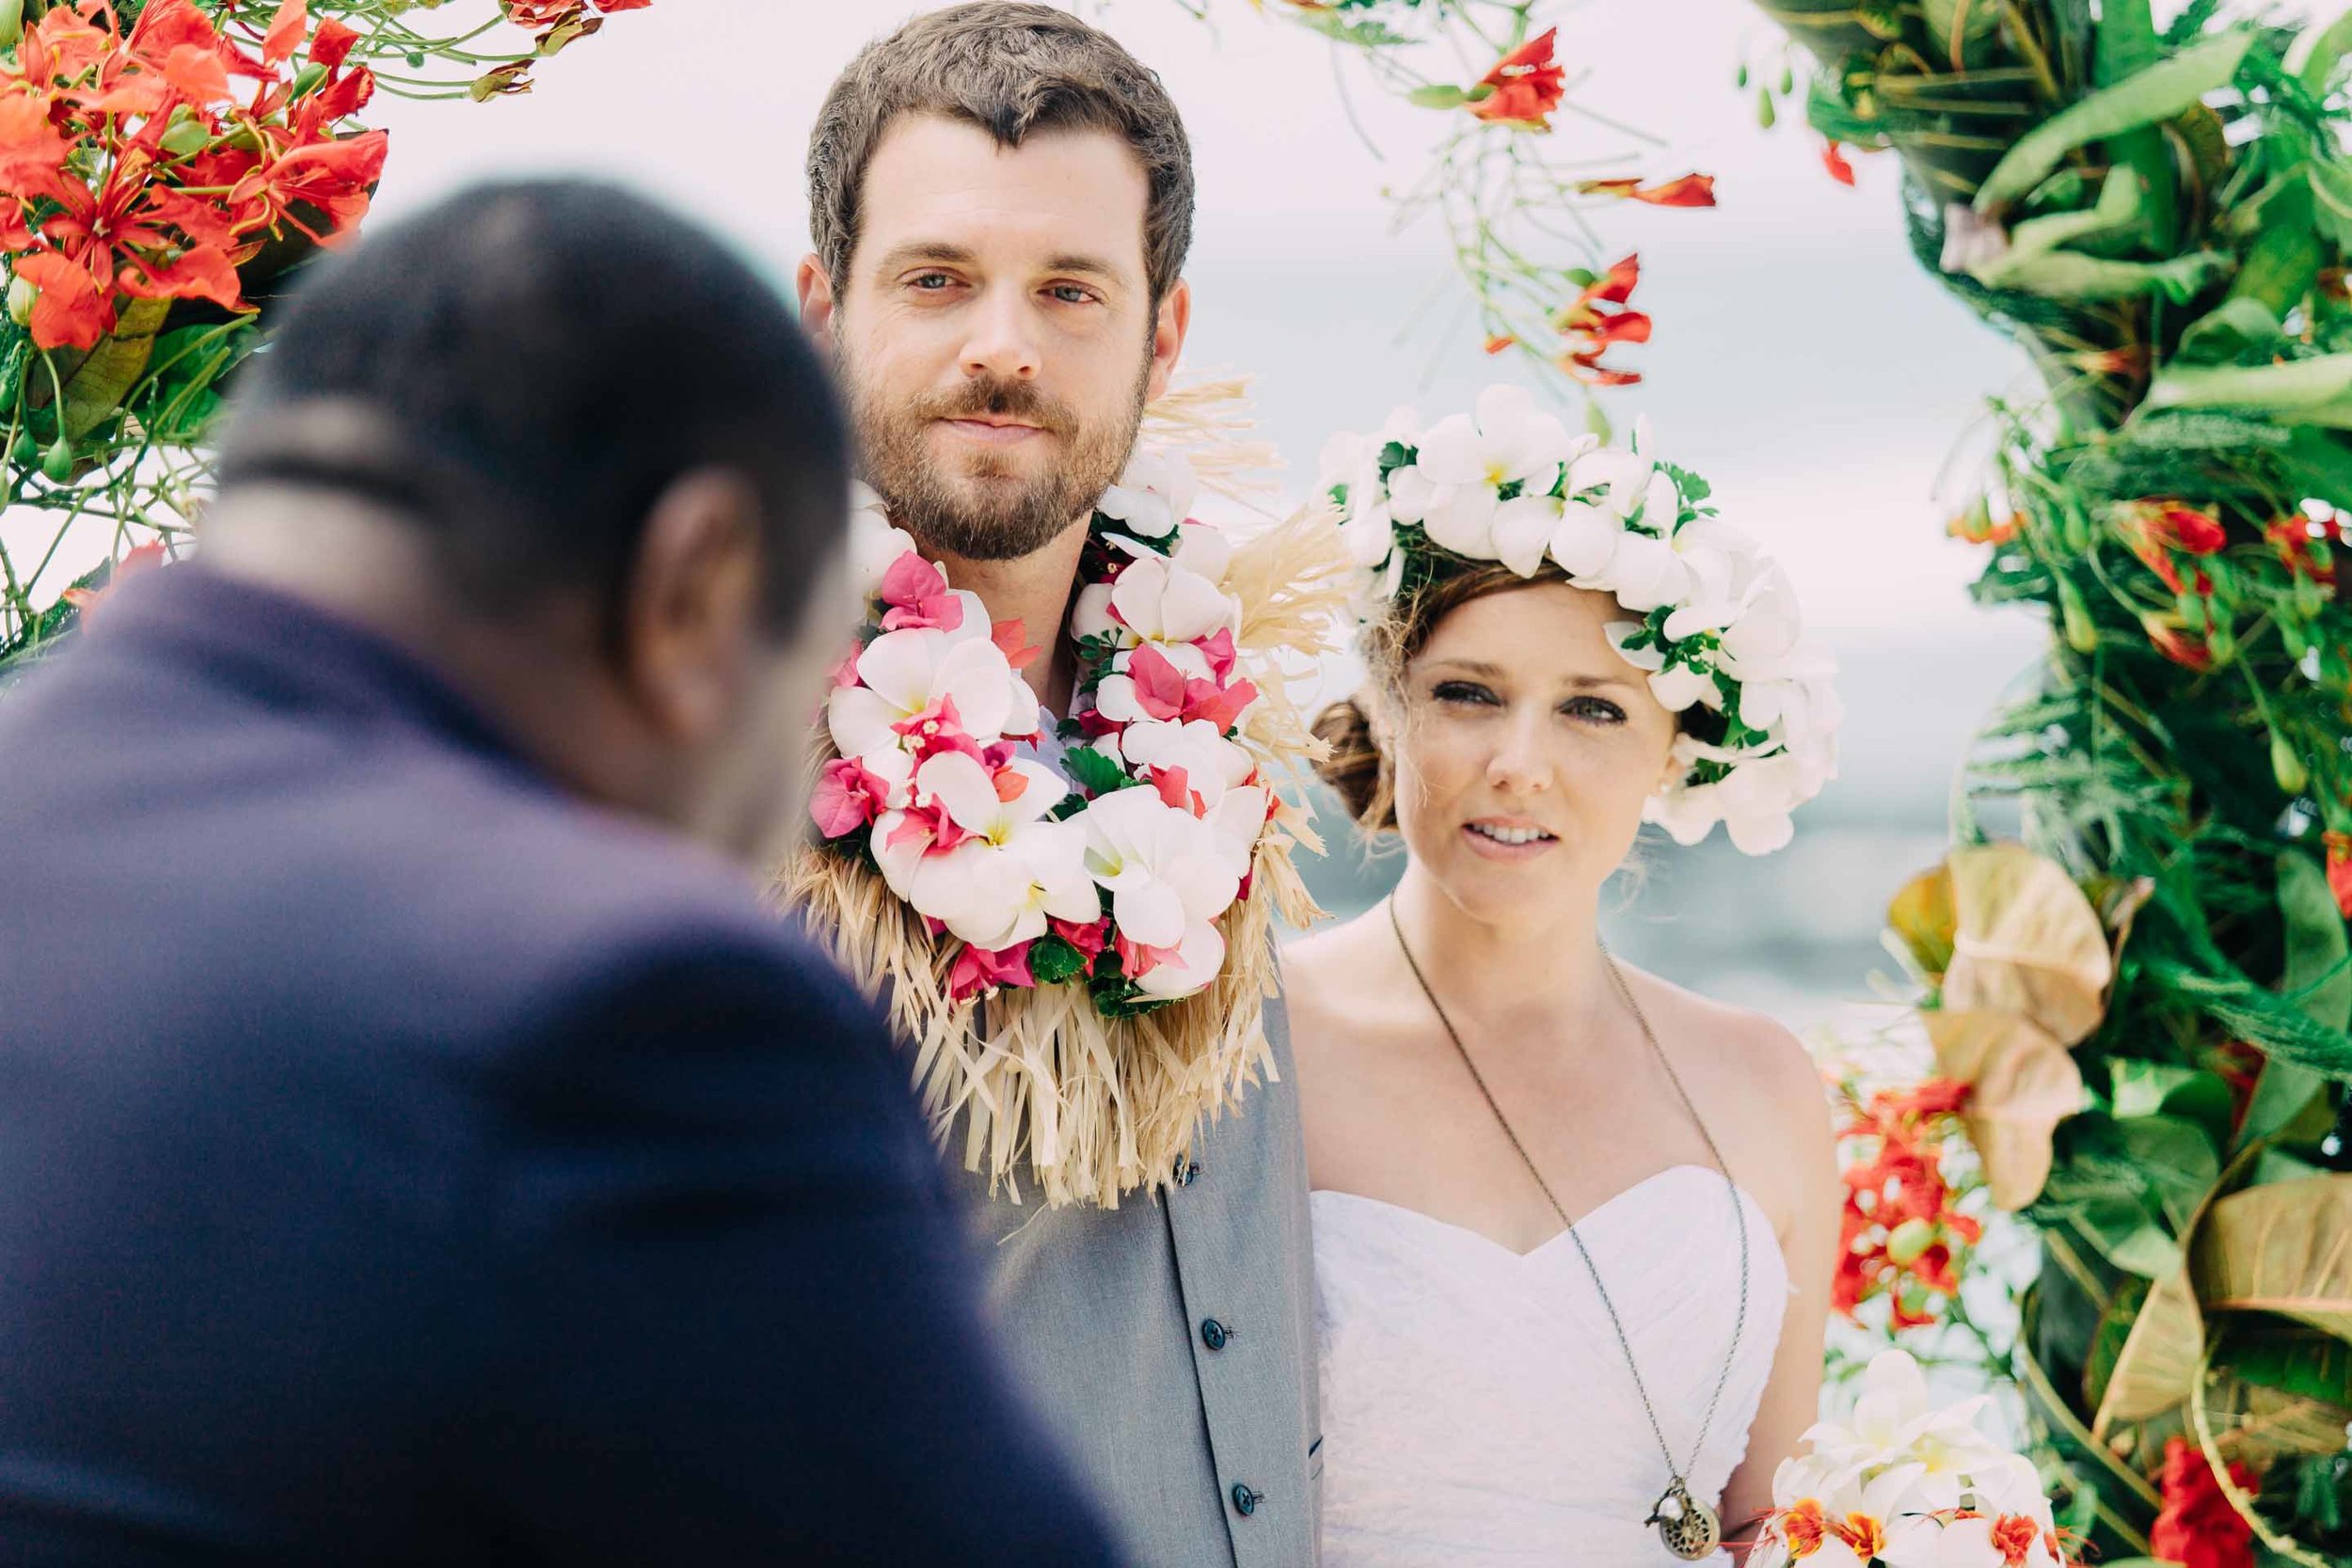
[
  {"x": 1211, "y": 764},
  {"x": 1167, "y": 884},
  {"x": 1453, "y": 486},
  {"x": 1236, "y": 822},
  {"x": 875, "y": 544},
  {"x": 1367, "y": 526},
  {"x": 1153, "y": 496},
  {"x": 1162, "y": 598},
  {"x": 999, "y": 886},
  {"x": 1612, "y": 479},
  {"x": 902, "y": 673},
  {"x": 1675, "y": 687}
]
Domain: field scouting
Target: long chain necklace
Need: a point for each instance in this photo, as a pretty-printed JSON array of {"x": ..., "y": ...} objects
[{"x": 1689, "y": 1528}]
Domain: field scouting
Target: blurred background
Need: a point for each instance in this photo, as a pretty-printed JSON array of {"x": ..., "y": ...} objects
[{"x": 1822, "y": 419}]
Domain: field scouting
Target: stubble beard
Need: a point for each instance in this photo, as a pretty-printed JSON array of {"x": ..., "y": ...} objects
[{"x": 987, "y": 511}]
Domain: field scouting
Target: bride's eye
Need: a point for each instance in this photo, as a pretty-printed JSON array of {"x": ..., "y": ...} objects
[
  {"x": 1598, "y": 711},
  {"x": 1467, "y": 693}
]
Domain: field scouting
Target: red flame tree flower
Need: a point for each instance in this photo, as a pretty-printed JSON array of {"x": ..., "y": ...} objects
[{"x": 162, "y": 163}]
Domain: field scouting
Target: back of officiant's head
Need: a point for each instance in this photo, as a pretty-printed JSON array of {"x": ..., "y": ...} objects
[{"x": 574, "y": 453}]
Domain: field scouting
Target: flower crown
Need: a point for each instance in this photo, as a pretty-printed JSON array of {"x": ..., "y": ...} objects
[{"x": 1720, "y": 636}]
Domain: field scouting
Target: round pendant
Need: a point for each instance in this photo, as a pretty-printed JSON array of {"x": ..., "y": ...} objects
[{"x": 1688, "y": 1526}]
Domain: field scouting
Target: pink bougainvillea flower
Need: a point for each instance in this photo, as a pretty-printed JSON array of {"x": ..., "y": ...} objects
[{"x": 980, "y": 973}]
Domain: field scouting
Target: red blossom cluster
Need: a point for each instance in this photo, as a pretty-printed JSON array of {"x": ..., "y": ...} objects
[
  {"x": 2197, "y": 1528},
  {"x": 1590, "y": 328},
  {"x": 2308, "y": 544},
  {"x": 558, "y": 21},
  {"x": 1524, "y": 87},
  {"x": 1901, "y": 1236},
  {"x": 133, "y": 165}
]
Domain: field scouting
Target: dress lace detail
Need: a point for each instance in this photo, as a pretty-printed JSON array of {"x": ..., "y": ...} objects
[{"x": 1476, "y": 1408}]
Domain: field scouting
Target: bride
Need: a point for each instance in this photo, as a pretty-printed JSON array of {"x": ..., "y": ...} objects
[{"x": 1573, "y": 1226}]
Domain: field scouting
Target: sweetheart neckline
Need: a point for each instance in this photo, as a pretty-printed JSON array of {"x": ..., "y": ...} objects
[{"x": 1558, "y": 1236}]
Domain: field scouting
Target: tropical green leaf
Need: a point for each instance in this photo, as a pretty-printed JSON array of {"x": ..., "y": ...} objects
[
  {"x": 2327, "y": 52},
  {"x": 2233, "y": 330},
  {"x": 2331, "y": 198},
  {"x": 2316, "y": 940},
  {"x": 2281, "y": 1248},
  {"x": 2069, "y": 275},
  {"x": 2318, "y": 391},
  {"x": 2146, "y": 97}
]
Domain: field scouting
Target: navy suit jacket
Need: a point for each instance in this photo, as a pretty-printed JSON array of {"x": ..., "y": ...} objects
[{"x": 403, "y": 1162}]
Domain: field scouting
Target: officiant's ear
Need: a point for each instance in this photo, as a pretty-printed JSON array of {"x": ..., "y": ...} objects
[
  {"x": 816, "y": 290},
  {"x": 1169, "y": 325},
  {"x": 690, "y": 611}
]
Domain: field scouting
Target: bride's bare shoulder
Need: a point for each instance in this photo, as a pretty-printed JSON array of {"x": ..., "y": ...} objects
[
  {"x": 1754, "y": 1055},
  {"x": 1335, "y": 978}
]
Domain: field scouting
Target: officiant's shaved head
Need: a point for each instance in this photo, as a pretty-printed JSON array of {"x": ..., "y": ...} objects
[
  {"x": 1000, "y": 202},
  {"x": 567, "y": 448}
]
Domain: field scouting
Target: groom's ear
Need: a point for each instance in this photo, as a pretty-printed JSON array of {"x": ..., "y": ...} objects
[
  {"x": 816, "y": 290},
  {"x": 1168, "y": 327}
]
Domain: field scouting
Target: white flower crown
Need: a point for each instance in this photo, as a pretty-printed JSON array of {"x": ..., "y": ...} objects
[{"x": 1718, "y": 630}]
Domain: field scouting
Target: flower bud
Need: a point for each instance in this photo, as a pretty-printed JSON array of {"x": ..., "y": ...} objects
[
  {"x": 2082, "y": 634},
  {"x": 58, "y": 462},
  {"x": 1908, "y": 1240},
  {"x": 11, "y": 23},
  {"x": 2288, "y": 769},
  {"x": 20, "y": 297}
]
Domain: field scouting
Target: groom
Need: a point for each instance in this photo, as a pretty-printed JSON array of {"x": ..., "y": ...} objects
[{"x": 1001, "y": 200}]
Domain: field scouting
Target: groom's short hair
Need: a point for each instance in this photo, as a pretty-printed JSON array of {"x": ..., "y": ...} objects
[{"x": 1012, "y": 68}]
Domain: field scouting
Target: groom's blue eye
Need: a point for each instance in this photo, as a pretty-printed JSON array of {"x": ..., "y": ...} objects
[
  {"x": 932, "y": 282},
  {"x": 1070, "y": 294}
]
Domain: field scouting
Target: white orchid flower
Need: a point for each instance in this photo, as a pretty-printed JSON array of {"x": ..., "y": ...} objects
[
  {"x": 1211, "y": 764},
  {"x": 1153, "y": 495},
  {"x": 1895, "y": 1421},
  {"x": 1168, "y": 884},
  {"x": 903, "y": 673}
]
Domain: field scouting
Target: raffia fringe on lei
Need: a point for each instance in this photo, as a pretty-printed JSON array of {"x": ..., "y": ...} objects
[{"x": 1037, "y": 1080}]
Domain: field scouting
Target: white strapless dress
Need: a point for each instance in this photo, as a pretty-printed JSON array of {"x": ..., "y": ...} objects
[{"x": 1476, "y": 1407}]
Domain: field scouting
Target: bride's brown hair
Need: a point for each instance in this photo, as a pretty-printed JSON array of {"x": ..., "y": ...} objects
[{"x": 1356, "y": 767}]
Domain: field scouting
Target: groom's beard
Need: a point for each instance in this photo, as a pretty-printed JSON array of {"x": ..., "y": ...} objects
[{"x": 982, "y": 511}]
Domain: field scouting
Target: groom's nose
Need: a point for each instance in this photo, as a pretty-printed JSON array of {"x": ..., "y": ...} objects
[{"x": 1003, "y": 341}]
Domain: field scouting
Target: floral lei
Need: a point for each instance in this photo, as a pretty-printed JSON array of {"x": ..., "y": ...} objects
[
  {"x": 1719, "y": 633},
  {"x": 1075, "y": 928}
]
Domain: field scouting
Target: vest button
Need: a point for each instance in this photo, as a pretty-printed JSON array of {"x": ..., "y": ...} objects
[
  {"x": 1244, "y": 1500},
  {"x": 1214, "y": 1334}
]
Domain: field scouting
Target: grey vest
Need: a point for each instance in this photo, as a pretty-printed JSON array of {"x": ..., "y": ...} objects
[{"x": 1170, "y": 1341}]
